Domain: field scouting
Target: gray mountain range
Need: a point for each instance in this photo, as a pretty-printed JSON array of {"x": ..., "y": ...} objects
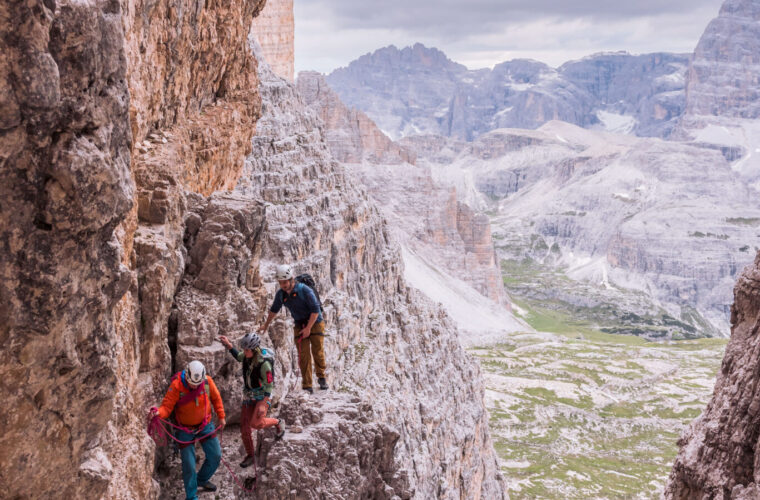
[
  {"x": 644, "y": 228},
  {"x": 418, "y": 90}
]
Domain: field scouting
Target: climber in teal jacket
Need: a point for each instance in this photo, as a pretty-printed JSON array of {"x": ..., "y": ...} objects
[{"x": 258, "y": 384}]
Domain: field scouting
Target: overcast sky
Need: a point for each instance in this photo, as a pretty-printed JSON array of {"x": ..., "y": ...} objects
[{"x": 481, "y": 33}]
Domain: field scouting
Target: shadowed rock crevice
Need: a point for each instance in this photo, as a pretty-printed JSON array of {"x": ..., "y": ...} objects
[{"x": 172, "y": 337}]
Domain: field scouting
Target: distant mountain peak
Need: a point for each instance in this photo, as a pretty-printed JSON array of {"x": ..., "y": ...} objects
[
  {"x": 408, "y": 57},
  {"x": 419, "y": 90},
  {"x": 716, "y": 87},
  {"x": 741, "y": 8}
]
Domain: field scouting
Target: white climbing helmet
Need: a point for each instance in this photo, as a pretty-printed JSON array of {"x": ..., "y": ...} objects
[
  {"x": 250, "y": 341},
  {"x": 284, "y": 272},
  {"x": 195, "y": 372}
]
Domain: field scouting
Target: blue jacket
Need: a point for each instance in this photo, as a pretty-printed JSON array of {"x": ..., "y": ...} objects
[{"x": 301, "y": 303}]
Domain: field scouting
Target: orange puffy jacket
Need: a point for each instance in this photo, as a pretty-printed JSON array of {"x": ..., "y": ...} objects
[{"x": 192, "y": 413}]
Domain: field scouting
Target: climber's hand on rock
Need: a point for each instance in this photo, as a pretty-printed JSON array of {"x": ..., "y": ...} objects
[{"x": 226, "y": 342}]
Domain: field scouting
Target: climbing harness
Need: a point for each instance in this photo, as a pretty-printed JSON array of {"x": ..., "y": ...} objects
[{"x": 158, "y": 431}]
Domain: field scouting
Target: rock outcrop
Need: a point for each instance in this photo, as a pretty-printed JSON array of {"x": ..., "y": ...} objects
[
  {"x": 350, "y": 134},
  {"x": 417, "y": 90},
  {"x": 428, "y": 217},
  {"x": 724, "y": 74},
  {"x": 718, "y": 452},
  {"x": 274, "y": 29},
  {"x": 113, "y": 111},
  {"x": 323, "y": 222}
]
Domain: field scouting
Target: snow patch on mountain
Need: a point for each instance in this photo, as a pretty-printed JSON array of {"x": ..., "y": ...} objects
[
  {"x": 743, "y": 135},
  {"x": 614, "y": 122}
]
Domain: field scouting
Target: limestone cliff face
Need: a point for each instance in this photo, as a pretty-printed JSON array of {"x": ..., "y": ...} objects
[
  {"x": 724, "y": 73},
  {"x": 427, "y": 217},
  {"x": 274, "y": 29},
  {"x": 122, "y": 260},
  {"x": 351, "y": 135},
  {"x": 66, "y": 186},
  {"x": 392, "y": 355},
  {"x": 114, "y": 110},
  {"x": 718, "y": 452}
]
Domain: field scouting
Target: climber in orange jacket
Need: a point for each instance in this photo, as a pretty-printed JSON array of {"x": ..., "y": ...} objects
[{"x": 190, "y": 396}]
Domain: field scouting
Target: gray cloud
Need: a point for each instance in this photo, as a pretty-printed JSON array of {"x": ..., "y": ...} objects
[
  {"x": 456, "y": 18},
  {"x": 480, "y": 33}
]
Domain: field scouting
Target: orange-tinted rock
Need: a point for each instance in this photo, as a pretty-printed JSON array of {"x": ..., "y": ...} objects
[
  {"x": 274, "y": 29},
  {"x": 351, "y": 135},
  {"x": 192, "y": 75},
  {"x": 114, "y": 110}
]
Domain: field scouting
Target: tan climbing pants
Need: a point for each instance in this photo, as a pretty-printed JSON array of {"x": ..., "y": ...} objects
[{"x": 313, "y": 345}]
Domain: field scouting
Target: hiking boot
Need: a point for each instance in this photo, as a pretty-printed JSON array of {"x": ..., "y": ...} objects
[
  {"x": 280, "y": 431},
  {"x": 309, "y": 390},
  {"x": 208, "y": 486},
  {"x": 323, "y": 384},
  {"x": 247, "y": 462}
]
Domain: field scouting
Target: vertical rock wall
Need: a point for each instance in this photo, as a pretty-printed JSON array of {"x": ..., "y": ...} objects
[
  {"x": 65, "y": 185},
  {"x": 482, "y": 269},
  {"x": 719, "y": 456},
  {"x": 393, "y": 357},
  {"x": 724, "y": 74},
  {"x": 113, "y": 110},
  {"x": 274, "y": 29}
]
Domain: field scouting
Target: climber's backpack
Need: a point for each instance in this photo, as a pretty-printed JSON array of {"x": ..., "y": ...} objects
[
  {"x": 307, "y": 280},
  {"x": 268, "y": 355}
]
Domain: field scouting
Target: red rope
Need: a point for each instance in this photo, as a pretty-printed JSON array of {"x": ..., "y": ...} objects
[
  {"x": 234, "y": 476},
  {"x": 159, "y": 433}
]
